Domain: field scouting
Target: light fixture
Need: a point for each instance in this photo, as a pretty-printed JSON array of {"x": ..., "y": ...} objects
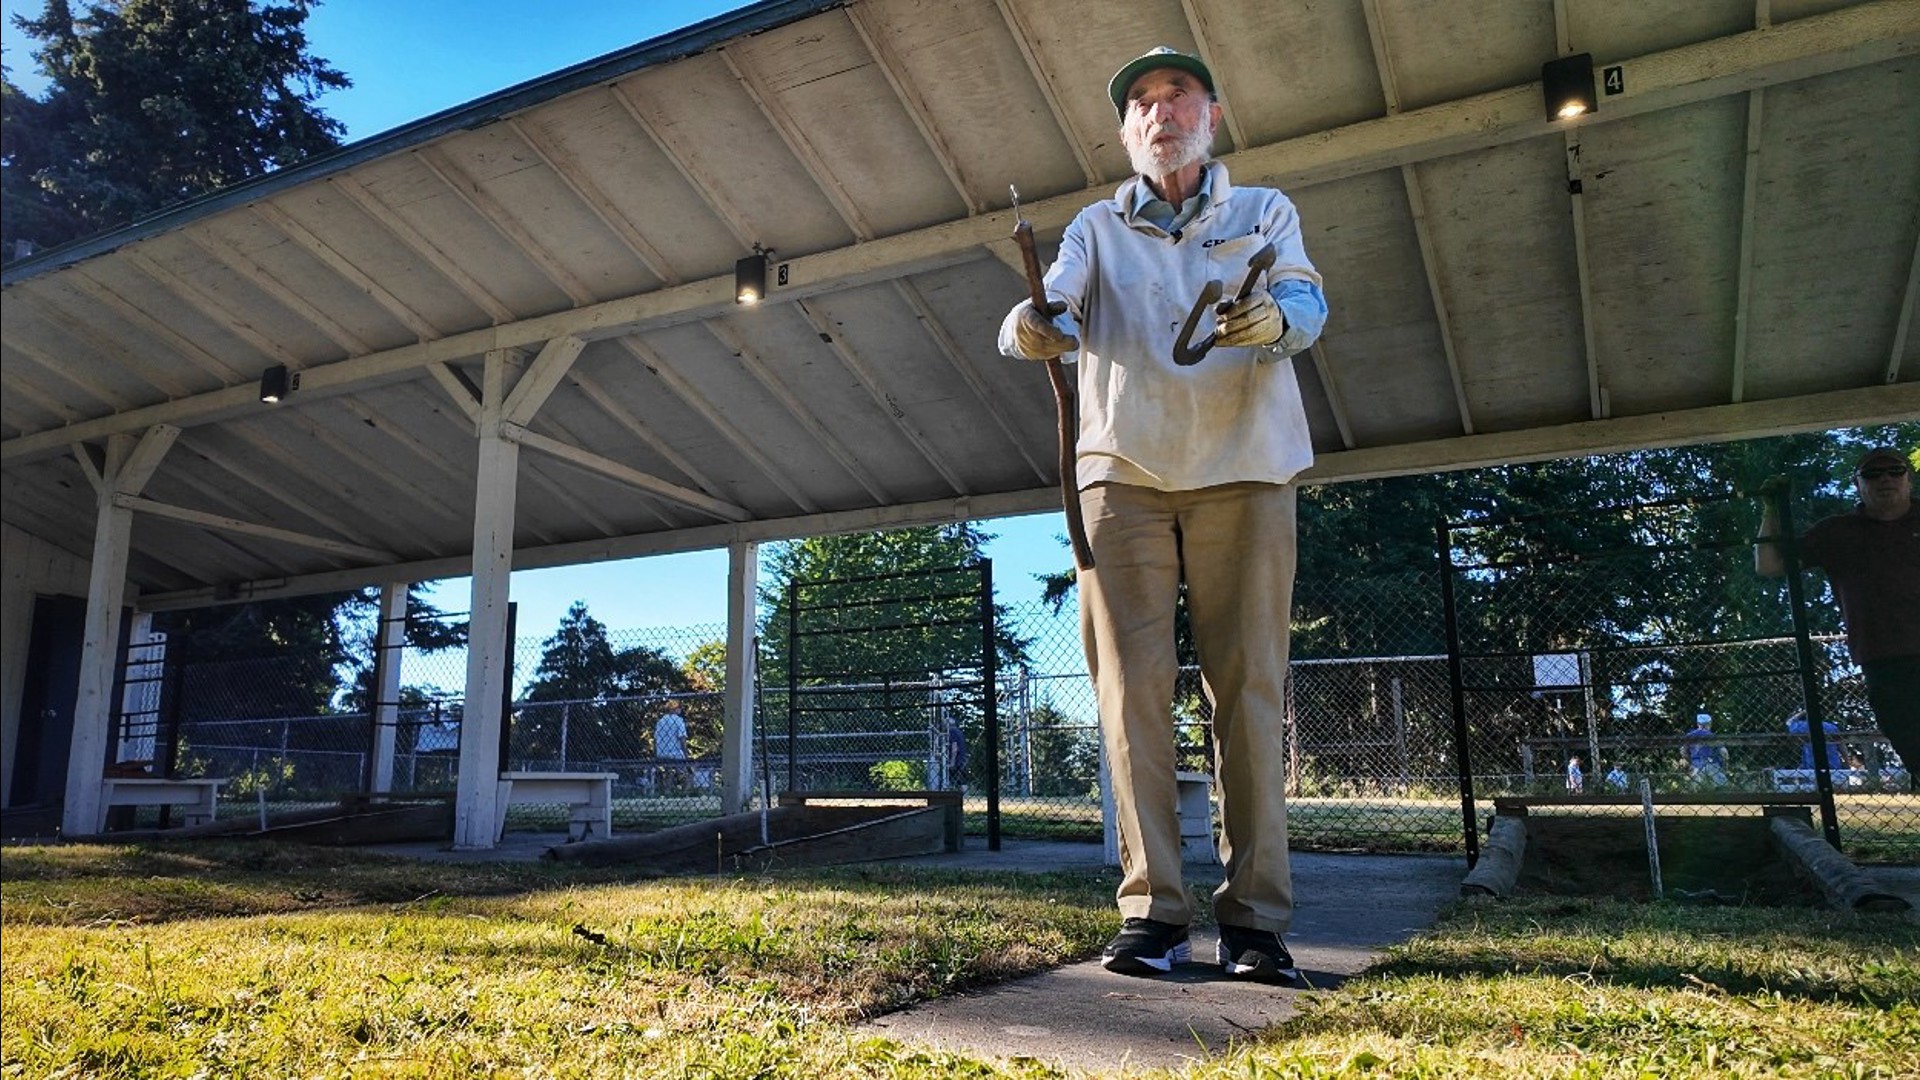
[
  {"x": 1568, "y": 86},
  {"x": 274, "y": 384},
  {"x": 750, "y": 277}
]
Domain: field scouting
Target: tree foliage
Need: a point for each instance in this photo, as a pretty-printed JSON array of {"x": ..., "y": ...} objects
[
  {"x": 601, "y": 697},
  {"x": 154, "y": 102}
]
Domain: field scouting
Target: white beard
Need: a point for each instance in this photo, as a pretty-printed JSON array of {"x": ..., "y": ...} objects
[{"x": 1148, "y": 159}]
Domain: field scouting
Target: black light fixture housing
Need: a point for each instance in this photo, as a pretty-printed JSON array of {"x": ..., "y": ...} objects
[
  {"x": 274, "y": 384},
  {"x": 1568, "y": 86},
  {"x": 750, "y": 278}
]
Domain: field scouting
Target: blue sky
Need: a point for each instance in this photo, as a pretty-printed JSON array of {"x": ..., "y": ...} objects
[{"x": 409, "y": 59}]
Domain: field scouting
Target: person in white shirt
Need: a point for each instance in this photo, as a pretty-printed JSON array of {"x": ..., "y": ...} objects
[
  {"x": 1185, "y": 479},
  {"x": 670, "y": 746}
]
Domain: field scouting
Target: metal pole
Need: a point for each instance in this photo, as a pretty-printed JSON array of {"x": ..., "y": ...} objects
[
  {"x": 793, "y": 683},
  {"x": 1653, "y": 841},
  {"x": 506, "y": 693},
  {"x": 989, "y": 679},
  {"x": 1809, "y": 688},
  {"x": 1456, "y": 686}
]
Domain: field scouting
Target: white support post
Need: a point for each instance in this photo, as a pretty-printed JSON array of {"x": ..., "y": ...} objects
[
  {"x": 476, "y": 799},
  {"x": 736, "y": 741},
  {"x": 389, "y": 644},
  {"x": 128, "y": 468}
]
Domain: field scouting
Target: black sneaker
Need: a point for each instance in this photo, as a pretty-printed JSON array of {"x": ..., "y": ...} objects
[
  {"x": 1256, "y": 955},
  {"x": 1147, "y": 947}
]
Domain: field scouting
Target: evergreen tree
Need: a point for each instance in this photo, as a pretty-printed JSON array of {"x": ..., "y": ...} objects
[
  {"x": 605, "y": 696},
  {"x": 152, "y": 103}
]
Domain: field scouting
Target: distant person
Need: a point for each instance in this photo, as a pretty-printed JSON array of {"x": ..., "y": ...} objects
[
  {"x": 956, "y": 754},
  {"x": 1616, "y": 779},
  {"x": 670, "y": 746},
  {"x": 1576, "y": 780},
  {"x": 1706, "y": 759},
  {"x": 1797, "y": 725},
  {"x": 1872, "y": 558}
]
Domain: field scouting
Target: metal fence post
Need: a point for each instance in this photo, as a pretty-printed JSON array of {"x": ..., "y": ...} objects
[
  {"x": 1809, "y": 689},
  {"x": 988, "y": 679},
  {"x": 1456, "y": 686}
]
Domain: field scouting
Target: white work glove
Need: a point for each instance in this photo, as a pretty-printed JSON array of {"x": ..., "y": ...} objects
[
  {"x": 1037, "y": 338},
  {"x": 1253, "y": 321}
]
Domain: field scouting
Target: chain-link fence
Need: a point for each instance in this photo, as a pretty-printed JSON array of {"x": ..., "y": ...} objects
[
  {"x": 1604, "y": 658},
  {"x": 1370, "y": 726}
]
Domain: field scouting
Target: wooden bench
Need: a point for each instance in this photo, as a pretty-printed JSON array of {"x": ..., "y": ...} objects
[
  {"x": 198, "y": 795},
  {"x": 589, "y": 794}
]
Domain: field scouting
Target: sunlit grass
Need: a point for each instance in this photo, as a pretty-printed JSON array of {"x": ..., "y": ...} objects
[{"x": 231, "y": 960}]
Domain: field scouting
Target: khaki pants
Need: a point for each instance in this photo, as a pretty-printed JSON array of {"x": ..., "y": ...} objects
[{"x": 1234, "y": 544}]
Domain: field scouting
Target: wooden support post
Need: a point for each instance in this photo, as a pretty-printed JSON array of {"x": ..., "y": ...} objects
[
  {"x": 126, "y": 471},
  {"x": 475, "y": 810},
  {"x": 389, "y": 644},
  {"x": 736, "y": 740}
]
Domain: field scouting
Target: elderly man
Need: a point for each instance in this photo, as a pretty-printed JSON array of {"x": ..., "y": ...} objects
[
  {"x": 1184, "y": 477},
  {"x": 1872, "y": 558}
]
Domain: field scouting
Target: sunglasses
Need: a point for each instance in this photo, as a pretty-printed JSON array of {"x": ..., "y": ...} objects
[{"x": 1883, "y": 473}]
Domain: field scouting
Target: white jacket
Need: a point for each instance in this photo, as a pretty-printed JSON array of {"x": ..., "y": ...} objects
[{"x": 1144, "y": 420}]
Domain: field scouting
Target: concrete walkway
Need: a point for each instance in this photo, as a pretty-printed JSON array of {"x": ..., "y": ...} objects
[{"x": 1084, "y": 1017}]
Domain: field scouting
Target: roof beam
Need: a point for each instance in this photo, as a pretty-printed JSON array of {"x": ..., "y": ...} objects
[
  {"x": 68, "y": 323},
  {"x": 490, "y": 210},
  {"x": 797, "y": 141},
  {"x": 687, "y": 165},
  {"x": 625, "y": 474},
  {"x": 1597, "y": 405},
  {"x": 1819, "y": 44},
  {"x": 248, "y": 528},
  {"x": 261, "y": 278},
  {"x": 864, "y": 374},
  {"x": 1203, "y": 35},
  {"x": 423, "y": 246},
  {"x": 567, "y": 167},
  {"x": 795, "y": 408},
  {"x": 1336, "y": 401},
  {"x": 1023, "y": 37},
  {"x": 214, "y": 307},
  {"x": 538, "y": 382},
  {"x": 19, "y": 382},
  {"x": 633, "y": 425},
  {"x": 1719, "y": 423},
  {"x": 305, "y": 239},
  {"x": 1908, "y": 301},
  {"x": 950, "y": 349},
  {"x": 1417, "y": 207},
  {"x": 884, "y": 58},
  {"x": 464, "y": 394},
  {"x": 739, "y": 440},
  {"x": 265, "y": 485},
  {"x": 192, "y": 351}
]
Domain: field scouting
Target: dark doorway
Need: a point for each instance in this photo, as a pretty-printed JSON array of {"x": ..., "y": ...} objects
[{"x": 47, "y": 698}]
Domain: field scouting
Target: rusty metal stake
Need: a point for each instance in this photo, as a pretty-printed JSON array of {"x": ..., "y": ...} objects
[
  {"x": 1188, "y": 355},
  {"x": 1068, "y": 427}
]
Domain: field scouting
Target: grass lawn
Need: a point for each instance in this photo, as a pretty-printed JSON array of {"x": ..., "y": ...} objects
[{"x": 230, "y": 960}]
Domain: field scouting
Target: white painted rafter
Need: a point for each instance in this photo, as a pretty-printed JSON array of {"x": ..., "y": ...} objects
[
  {"x": 809, "y": 156},
  {"x": 567, "y": 167},
  {"x": 249, "y": 528},
  {"x": 765, "y": 376},
  {"x": 625, "y": 474},
  {"x": 305, "y": 239},
  {"x": 874, "y": 37},
  {"x": 423, "y": 246},
  {"x": 1803, "y": 48},
  {"x": 602, "y": 399},
  {"x": 691, "y": 397},
  {"x": 263, "y": 279},
  {"x": 1023, "y": 38},
  {"x": 685, "y": 162},
  {"x": 495, "y": 214},
  {"x": 869, "y": 381},
  {"x": 957, "y": 359},
  {"x": 1203, "y": 31}
]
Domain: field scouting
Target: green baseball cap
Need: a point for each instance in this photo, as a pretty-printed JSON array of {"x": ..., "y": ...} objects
[{"x": 1160, "y": 57}]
